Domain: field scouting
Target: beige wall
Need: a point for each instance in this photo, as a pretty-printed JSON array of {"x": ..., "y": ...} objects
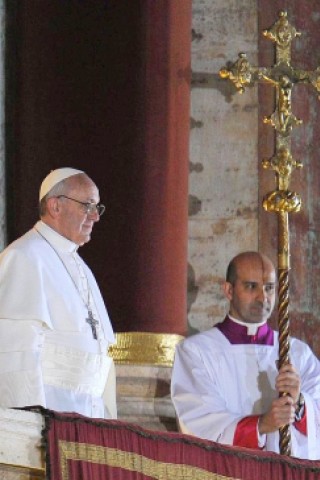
[{"x": 223, "y": 188}]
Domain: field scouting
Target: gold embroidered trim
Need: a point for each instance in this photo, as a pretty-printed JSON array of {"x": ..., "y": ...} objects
[
  {"x": 141, "y": 348},
  {"x": 130, "y": 461},
  {"x": 21, "y": 472}
]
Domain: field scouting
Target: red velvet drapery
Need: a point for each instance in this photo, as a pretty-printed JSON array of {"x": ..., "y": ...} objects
[{"x": 79, "y": 447}]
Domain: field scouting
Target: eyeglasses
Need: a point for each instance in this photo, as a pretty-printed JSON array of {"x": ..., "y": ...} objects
[{"x": 89, "y": 207}]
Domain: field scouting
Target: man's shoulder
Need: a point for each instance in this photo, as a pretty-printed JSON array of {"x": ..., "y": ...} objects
[
  {"x": 27, "y": 245},
  {"x": 299, "y": 346},
  {"x": 202, "y": 338}
]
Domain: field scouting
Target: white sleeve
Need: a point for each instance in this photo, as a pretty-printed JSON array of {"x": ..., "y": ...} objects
[
  {"x": 109, "y": 394},
  {"x": 21, "y": 343},
  {"x": 199, "y": 406}
]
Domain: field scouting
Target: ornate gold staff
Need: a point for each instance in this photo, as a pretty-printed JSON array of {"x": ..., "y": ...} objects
[{"x": 283, "y": 77}]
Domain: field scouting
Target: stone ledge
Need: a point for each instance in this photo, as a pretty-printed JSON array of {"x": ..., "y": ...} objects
[{"x": 20, "y": 438}]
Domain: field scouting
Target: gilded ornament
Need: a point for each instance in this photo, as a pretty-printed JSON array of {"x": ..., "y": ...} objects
[{"x": 158, "y": 348}]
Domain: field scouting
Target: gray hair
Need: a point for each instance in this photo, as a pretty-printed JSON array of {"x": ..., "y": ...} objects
[{"x": 59, "y": 189}]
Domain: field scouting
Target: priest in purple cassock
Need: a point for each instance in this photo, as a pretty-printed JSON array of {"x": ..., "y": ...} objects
[{"x": 226, "y": 386}]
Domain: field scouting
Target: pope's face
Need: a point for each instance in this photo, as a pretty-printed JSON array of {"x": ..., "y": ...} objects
[
  {"x": 252, "y": 296},
  {"x": 74, "y": 223}
]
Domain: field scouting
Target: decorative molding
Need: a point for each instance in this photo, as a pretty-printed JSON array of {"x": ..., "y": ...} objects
[{"x": 141, "y": 348}]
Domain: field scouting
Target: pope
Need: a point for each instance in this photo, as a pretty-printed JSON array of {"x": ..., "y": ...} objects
[{"x": 54, "y": 326}]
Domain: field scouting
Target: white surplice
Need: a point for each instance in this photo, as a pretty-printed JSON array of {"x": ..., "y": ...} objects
[
  {"x": 215, "y": 384},
  {"x": 48, "y": 355}
]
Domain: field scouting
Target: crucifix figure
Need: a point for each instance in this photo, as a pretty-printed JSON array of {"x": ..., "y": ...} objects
[
  {"x": 93, "y": 323},
  {"x": 284, "y": 77}
]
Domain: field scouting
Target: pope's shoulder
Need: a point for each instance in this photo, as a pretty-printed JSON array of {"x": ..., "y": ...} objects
[{"x": 27, "y": 244}]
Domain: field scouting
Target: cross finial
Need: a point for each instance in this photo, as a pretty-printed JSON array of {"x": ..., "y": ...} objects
[{"x": 282, "y": 33}]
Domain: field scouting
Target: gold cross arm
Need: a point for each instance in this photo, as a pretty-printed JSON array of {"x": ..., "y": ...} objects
[{"x": 282, "y": 75}]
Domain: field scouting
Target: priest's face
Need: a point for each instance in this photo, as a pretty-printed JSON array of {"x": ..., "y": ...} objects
[
  {"x": 74, "y": 222},
  {"x": 252, "y": 294}
]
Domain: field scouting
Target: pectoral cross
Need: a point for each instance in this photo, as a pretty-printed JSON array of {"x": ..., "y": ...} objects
[
  {"x": 93, "y": 323},
  {"x": 283, "y": 77}
]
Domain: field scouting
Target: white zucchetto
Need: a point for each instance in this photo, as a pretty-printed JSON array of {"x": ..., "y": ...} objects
[{"x": 54, "y": 177}]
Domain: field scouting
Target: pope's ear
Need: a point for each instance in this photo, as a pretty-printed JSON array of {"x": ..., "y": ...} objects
[
  {"x": 228, "y": 290},
  {"x": 53, "y": 206}
]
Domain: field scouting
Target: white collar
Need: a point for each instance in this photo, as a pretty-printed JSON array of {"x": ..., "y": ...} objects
[
  {"x": 59, "y": 242},
  {"x": 252, "y": 328}
]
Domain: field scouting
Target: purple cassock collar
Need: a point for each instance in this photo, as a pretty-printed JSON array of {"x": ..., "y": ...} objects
[{"x": 237, "y": 334}]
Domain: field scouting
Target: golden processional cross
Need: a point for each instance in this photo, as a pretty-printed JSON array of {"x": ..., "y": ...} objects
[{"x": 283, "y": 76}]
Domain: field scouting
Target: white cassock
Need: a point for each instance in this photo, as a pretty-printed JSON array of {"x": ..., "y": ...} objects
[
  {"x": 216, "y": 384},
  {"x": 48, "y": 355}
]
